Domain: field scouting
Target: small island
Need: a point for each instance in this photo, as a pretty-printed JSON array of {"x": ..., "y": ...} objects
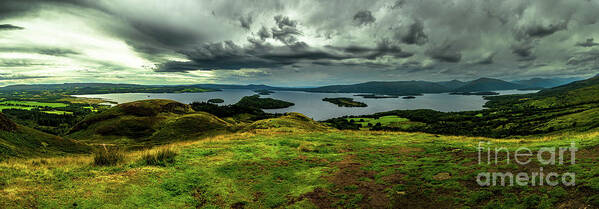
[
  {"x": 482, "y": 93},
  {"x": 216, "y": 101},
  {"x": 263, "y": 103},
  {"x": 374, "y": 96},
  {"x": 264, "y": 91},
  {"x": 345, "y": 102}
]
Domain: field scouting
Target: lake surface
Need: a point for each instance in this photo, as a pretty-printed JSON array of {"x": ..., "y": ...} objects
[{"x": 311, "y": 104}]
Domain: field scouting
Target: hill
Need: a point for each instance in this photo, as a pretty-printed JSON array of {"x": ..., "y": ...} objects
[
  {"x": 146, "y": 123},
  {"x": 21, "y": 141},
  {"x": 402, "y": 88},
  {"x": 488, "y": 84},
  {"x": 575, "y": 93},
  {"x": 453, "y": 84},
  {"x": 256, "y": 101},
  {"x": 100, "y": 88},
  {"x": 406, "y": 88},
  {"x": 541, "y": 83},
  {"x": 290, "y": 122}
]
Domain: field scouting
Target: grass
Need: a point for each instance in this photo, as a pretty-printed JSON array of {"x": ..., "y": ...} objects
[
  {"x": 58, "y": 112},
  {"x": 387, "y": 121},
  {"x": 33, "y": 104},
  {"x": 108, "y": 156},
  {"x": 30, "y": 105},
  {"x": 270, "y": 169},
  {"x": 161, "y": 157},
  {"x": 2, "y": 107}
]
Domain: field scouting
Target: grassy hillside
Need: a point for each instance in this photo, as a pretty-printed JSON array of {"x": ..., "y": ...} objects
[
  {"x": 289, "y": 123},
  {"x": 21, "y": 141},
  {"x": 573, "y": 94},
  {"x": 147, "y": 122},
  {"x": 332, "y": 169}
]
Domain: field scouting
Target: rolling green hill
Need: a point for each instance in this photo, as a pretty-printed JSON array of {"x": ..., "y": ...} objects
[
  {"x": 573, "y": 94},
  {"x": 21, "y": 141},
  {"x": 147, "y": 122}
]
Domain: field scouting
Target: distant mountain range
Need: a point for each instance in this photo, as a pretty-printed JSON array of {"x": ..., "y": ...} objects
[
  {"x": 545, "y": 83},
  {"x": 400, "y": 88},
  {"x": 388, "y": 87},
  {"x": 404, "y": 88}
]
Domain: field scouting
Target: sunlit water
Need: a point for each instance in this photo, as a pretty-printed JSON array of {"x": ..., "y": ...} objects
[{"x": 311, "y": 104}]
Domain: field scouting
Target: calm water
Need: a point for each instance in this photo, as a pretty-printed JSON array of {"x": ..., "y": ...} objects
[{"x": 311, "y": 104}]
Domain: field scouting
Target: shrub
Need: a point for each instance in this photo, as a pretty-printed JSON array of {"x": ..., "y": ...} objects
[
  {"x": 162, "y": 157},
  {"x": 108, "y": 156},
  {"x": 39, "y": 162}
]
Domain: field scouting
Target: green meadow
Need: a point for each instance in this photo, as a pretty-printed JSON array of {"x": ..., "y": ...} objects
[{"x": 299, "y": 169}]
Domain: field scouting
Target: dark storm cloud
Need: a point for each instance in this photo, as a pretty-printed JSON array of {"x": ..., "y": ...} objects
[
  {"x": 45, "y": 51},
  {"x": 12, "y": 8},
  {"x": 57, "y": 52},
  {"x": 10, "y": 27},
  {"x": 286, "y": 30},
  {"x": 263, "y": 33},
  {"x": 364, "y": 17},
  {"x": 541, "y": 31},
  {"x": 414, "y": 34},
  {"x": 445, "y": 53},
  {"x": 590, "y": 58},
  {"x": 588, "y": 43},
  {"x": 383, "y": 48},
  {"x": 229, "y": 56},
  {"x": 524, "y": 51},
  {"x": 246, "y": 22},
  {"x": 284, "y": 21}
]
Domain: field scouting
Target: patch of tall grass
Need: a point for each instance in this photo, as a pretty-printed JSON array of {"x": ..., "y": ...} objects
[
  {"x": 108, "y": 156},
  {"x": 161, "y": 157}
]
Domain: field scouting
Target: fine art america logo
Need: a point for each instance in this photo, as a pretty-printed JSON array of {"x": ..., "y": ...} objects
[{"x": 524, "y": 159}]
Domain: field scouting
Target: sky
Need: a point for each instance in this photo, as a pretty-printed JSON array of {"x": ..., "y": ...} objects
[{"x": 295, "y": 43}]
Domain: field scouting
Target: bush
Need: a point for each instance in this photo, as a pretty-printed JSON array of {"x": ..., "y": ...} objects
[
  {"x": 108, "y": 156},
  {"x": 161, "y": 157}
]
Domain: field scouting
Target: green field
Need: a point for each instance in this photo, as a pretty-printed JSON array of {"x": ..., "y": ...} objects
[
  {"x": 385, "y": 121},
  {"x": 93, "y": 109},
  {"x": 2, "y": 107},
  {"x": 30, "y": 105},
  {"x": 333, "y": 169},
  {"x": 33, "y": 104},
  {"x": 58, "y": 112}
]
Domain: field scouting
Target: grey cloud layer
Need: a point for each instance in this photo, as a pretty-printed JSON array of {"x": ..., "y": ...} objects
[{"x": 510, "y": 37}]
